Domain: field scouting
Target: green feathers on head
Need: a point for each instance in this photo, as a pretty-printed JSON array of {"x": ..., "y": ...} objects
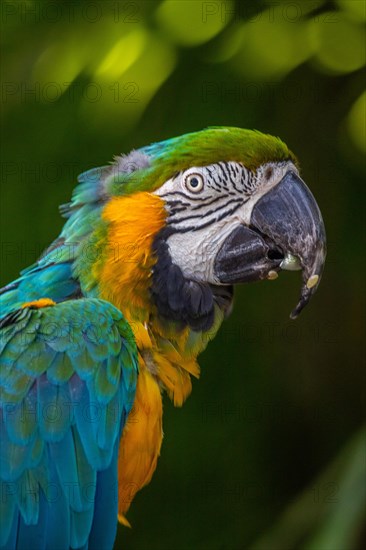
[{"x": 148, "y": 168}]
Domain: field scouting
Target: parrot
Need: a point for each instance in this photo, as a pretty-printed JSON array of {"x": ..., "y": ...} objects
[{"x": 117, "y": 309}]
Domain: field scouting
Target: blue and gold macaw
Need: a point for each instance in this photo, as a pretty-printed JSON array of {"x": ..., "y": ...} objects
[{"x": 117, "y": 310}]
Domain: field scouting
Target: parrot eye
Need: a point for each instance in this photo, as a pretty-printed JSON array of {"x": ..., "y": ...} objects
[{"x": 194, "y": 183}]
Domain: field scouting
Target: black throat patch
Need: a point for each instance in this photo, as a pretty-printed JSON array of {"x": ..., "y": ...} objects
[{"x": 180, "y": 299}]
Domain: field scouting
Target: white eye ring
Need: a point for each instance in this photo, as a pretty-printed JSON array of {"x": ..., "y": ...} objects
[{"x": 194, "y": 183}]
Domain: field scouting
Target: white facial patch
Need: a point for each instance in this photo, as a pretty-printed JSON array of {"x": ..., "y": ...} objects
[
  {"x": 201, "y": 221},
  {"x": 195, "y": 252}
]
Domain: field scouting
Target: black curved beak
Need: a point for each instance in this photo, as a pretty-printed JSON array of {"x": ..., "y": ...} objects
[{"x": 286, "y": 232}]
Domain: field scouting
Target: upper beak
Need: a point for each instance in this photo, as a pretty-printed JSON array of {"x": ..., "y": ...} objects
[{"x": 286, "y": 232}]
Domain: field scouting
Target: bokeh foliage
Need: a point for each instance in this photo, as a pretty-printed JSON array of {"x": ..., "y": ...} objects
[{"x": 268, "y": 452}]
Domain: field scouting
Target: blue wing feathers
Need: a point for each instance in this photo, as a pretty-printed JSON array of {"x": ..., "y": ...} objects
[
  {"x": 104, "y": 528},
  {"x": 13, "y": 457},
  {"x": 54, "y": 409},
  {"x": 9, "y": 518},
  {"x": 20, "y": 420},
  {"x": 41, "y": 280},
  {"x": 27, "y": 491},
  {"x": 33, "y": 536},
  {"x": 113, "y": 372},
  {"x": 61, "y": 369},
  {"x": 66, "y": 389},
  {"x": 58, "y": 512}
]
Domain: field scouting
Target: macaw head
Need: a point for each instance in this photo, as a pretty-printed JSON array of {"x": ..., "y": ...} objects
[{"x": 189, "y": 217}]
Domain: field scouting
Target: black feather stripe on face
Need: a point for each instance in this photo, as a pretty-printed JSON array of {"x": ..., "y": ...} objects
[{"x": 227, "y": 186}]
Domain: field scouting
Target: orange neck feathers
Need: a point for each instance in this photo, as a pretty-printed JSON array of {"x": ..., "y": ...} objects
[
  {"x": 124, "y": 273},
  {"x": 133, "y": 222}
]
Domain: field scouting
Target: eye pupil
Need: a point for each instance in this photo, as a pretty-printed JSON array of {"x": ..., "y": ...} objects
[{"x": 194, "y": 183}]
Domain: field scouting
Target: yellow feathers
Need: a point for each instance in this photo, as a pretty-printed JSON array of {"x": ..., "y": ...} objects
[
  {"x": 133, "y": 221},
  {"x": 141, "y": 441},
  {"x": 38, "y": 304}
]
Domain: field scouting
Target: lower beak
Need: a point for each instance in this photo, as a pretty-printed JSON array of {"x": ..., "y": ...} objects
[{"x": 286, "y": 232}]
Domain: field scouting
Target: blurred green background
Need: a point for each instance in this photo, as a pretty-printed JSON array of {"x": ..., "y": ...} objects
[{"x": 268, "y": 452}]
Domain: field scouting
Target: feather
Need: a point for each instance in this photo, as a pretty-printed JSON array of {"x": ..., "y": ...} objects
[
  {"x": 58, "y": 524},
  {"x": 61, "y": 369},
  {"x": 28, "y": 497},
  {"x": 104, "y": 526},
  {"x": 21, "y": 418},
  {"x": 8, "y": 513},
  {"x": 54, "y": 416}
]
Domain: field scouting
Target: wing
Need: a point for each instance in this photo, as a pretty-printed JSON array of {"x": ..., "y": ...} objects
[{"x": 67, "y": 382}]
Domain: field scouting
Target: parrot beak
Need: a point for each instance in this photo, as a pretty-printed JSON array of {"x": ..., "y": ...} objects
[{"x": 286, "y": 232}]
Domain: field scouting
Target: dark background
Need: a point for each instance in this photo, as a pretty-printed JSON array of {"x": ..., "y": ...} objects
[{"x": 268, "y": 452}]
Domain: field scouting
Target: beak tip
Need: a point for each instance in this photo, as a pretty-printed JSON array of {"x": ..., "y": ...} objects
[
  {"x": 308, "y": 290},
  {"x": 296, "y": 312}
]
